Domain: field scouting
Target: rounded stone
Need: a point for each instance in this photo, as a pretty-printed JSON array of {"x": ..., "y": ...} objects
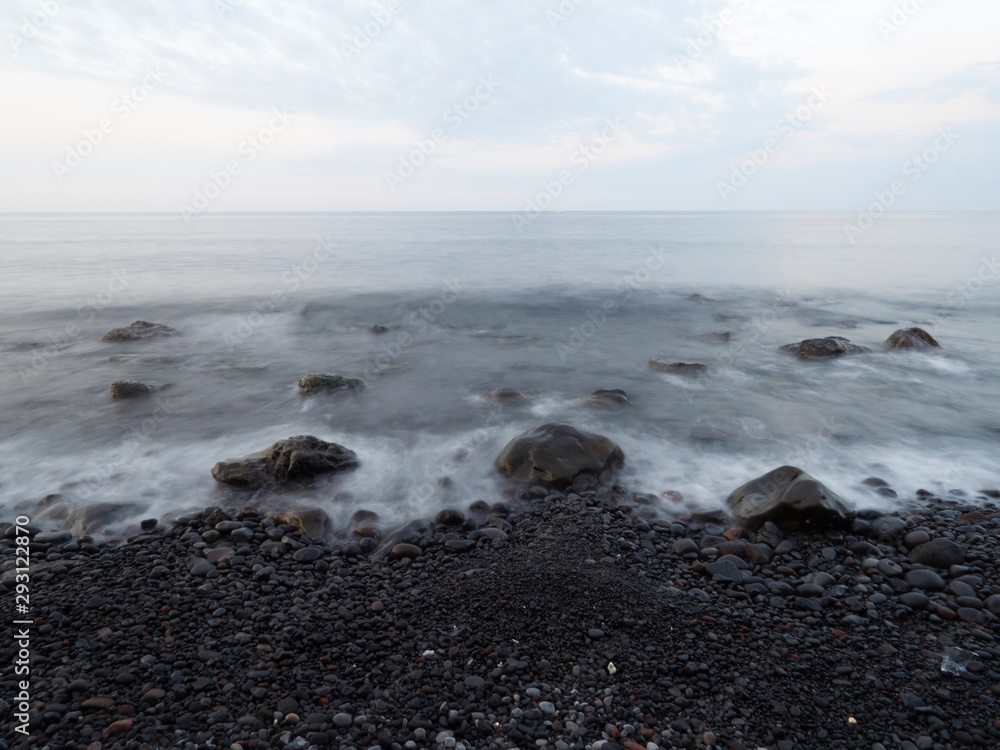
[
  {"x": 403, "y": 549},
  {"x": 927, "y": 580},
  {"x": 307, "y": 554},
  {"x": 450, "y": 517},
  {"x": 939, "y": 553},
  {"x": 915, "y": 538},
  {"x": 342, "y": 720}
]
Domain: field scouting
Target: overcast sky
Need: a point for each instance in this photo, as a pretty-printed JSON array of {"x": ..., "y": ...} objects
[{"x": 137, "y": 105}]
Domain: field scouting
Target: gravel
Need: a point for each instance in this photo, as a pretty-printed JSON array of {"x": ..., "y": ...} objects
[{"x": 585, "y": 621}]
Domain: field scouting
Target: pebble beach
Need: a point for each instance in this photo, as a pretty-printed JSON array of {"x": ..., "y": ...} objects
[{"x": 565, "y": 619}]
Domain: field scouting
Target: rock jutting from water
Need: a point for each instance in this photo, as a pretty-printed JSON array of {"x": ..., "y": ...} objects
[
  {"x": 124, "y": 389},
  {"x": 614, "y": 398},
  {"x": 831, "y": 346},
  {"x": 320, "y": 382},
  {"x": 506, "y": 395},
  {"x": 911, "y": 338},
  {"x": 296, "y": 459},
  {"x": 140, "y": 330},
  {"x": 789, "y": 497},
  {"x": 557, "y": 453},
  {"x": 681, "y": 368}
]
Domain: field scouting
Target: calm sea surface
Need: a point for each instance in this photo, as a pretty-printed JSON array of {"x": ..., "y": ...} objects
[{"x": 577, "y": 302}]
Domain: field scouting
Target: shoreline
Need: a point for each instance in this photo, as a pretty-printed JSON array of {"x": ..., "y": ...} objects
[{"x": 580, "y": 620}]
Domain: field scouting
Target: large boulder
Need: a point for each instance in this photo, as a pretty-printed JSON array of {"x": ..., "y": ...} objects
[
  {"x": 556, "y": 453},
  {"x": 296, "y": 459},
  {"x": 139, "y": 330},
  {"x": 911, "y": 338},
  {"x": 791, "y": 498},
  {"x": 313, "y": 522},
  {"x": 831, "y": 346},
  {"x": 316, "y": 382}
]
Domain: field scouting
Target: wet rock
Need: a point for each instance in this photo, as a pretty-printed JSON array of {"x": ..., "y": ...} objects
[
  {"x": 790, "y": 498},
  {"x": 887, "y": 528},
  {"x": 911, "y": 338},
  {"x": 938, "y": 553},
  {"x": 123, "y": 389},
  {"x": 93, "y": 518},
  {"x": 606, "y": 399},
  {"x": 313, "y": 522},
  {"x": 831, "y": 346},
  {"x": 557, "y": 453},
  {"x": 141, "y": 329},
  {"x": 401, "y": 550},
  {"x": 450, "y": 517},
  {"x": 299, "y": 458},
  {"x": 678, "y": 368},
  {"x": 507, "y": 396},
  {"x": 318, "y": 382}
]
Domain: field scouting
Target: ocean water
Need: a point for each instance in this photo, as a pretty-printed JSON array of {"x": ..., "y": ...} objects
[{"x": 573, "y": 303}]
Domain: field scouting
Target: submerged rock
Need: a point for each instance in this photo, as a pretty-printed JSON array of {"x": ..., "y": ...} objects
[
  {"x": 507, "y": 396},
  {"x": 313, "y": 522},
  {"x": 122, "y": 389},
  {"x": 911, "y": 338},
  {"x": 556, "y": 453},
  {"x": 683, "y": 368},
  {"x": 831, "y": 346},
  {"x": 789, "y": 497},
  {"x": 316, "y": 382},
  {"x": 606, "y": 399},
  {"x": 92, "y": 518},
  {"x": 141, "y": 329},
  {"x": 298, "y": 458}
]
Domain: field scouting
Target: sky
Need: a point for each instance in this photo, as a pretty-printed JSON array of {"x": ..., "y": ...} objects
[{"x": 398, "y": 105}]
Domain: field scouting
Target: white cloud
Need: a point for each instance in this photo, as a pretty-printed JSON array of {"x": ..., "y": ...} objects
[{"x": 357, "y": 115}]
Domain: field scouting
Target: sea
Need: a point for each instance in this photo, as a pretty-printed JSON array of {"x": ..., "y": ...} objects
[{"x": 435, "y": 310}]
